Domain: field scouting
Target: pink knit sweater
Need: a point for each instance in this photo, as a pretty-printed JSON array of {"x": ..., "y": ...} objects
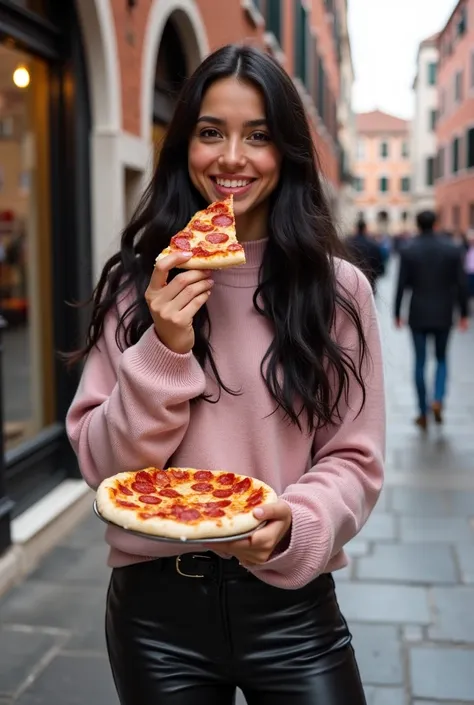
[{"x": 133, "y": 410}]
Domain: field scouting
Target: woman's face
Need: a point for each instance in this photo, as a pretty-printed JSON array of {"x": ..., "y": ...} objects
[{"x": 231, "y": 151}]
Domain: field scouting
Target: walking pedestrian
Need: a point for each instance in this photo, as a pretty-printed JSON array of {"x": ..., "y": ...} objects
[
  {"x": 367, "y": 254},
  {"x": 272, "y": 369},
  {"x": 432, "y": 268}
]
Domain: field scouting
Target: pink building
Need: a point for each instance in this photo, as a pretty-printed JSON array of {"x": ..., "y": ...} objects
[{"x": 455, "y": 128}]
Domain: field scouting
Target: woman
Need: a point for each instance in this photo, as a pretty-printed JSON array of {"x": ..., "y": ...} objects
[{"x": 272, "y": 369}]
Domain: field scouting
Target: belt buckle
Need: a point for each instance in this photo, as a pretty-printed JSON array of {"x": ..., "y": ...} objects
[{"x": 189, "y": 575}]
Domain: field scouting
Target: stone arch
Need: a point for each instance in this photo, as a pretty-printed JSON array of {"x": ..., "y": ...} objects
[
  {"x": 98, "y": 33},
  {"x": 190, "y": 26}
]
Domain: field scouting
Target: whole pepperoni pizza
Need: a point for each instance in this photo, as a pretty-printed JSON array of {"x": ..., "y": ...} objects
[
  {"x": 210, "y": 235},
  {"x": 183, "y": 503}
]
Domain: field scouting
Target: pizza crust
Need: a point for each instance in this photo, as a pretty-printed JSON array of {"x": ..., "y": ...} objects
[
  {"x": 221, "y": 260},
  {"x": 127, "y": 518}
]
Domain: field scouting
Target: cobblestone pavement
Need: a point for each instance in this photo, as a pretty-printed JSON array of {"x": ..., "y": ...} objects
[{"x": 408, "y": 593}]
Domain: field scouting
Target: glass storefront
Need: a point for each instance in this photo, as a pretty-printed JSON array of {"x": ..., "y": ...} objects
[{"x": 25, "y": 244}]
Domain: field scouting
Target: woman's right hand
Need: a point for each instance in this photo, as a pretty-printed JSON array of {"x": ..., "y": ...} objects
[{"x": 174, "y": 305}]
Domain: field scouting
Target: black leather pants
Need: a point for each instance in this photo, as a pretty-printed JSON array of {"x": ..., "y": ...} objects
[{"x": 179, "y": 640}]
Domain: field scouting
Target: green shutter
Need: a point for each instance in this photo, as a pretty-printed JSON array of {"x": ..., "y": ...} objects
[
  {"x": 273, "y": 18},
  {"x": 301, "y": 35}
]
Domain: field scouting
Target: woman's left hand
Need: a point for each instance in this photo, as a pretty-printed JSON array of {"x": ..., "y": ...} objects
[{"x": 258, "y": 548}]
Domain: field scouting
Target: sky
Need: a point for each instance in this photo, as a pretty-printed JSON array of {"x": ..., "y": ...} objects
[{"x": 385, "y": 36}]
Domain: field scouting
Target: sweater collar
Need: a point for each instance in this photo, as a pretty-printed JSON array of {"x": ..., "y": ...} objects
[{"x": 246, "y": 275}]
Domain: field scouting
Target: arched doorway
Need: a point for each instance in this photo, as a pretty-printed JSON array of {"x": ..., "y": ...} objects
[
  {"x": 175, "y": 43},
  {"x": 172, "y": 67}
]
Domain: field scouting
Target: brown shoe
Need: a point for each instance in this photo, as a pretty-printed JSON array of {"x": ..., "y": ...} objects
[
  {"x": 437, "y": 409},
  {"x": 422, "y": 422}
]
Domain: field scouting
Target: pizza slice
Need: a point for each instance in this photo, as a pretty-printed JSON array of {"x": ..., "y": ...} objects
[{"x": 210, "y": 235}]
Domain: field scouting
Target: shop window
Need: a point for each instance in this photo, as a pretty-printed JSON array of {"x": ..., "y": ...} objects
[{"x": 25, "y": 246}]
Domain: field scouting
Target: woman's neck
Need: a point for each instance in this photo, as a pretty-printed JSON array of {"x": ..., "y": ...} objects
[{"x": 253, "y": 225}]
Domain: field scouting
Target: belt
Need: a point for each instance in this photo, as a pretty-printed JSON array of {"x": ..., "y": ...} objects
[{"x": 205, "y": 565}]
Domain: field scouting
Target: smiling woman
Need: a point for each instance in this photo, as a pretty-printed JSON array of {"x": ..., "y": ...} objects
[
  {"x": 231, "y": 151},
  {"x": 271, "y": 369}
]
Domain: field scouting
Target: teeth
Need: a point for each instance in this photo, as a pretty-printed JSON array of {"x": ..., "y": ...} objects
[{"x": 228, "y": 183}]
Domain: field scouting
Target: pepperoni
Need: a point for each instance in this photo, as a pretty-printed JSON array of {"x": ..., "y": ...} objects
[
  {"x": 150, "y": 499},
  {"x": 168, "y": 492},
  {"x": 184, "y": 514},
  {"x": 222, "y": 493},
  {"x": 255, "y": 498},
  {"x": 162, "y": 479},
  {"x": 202, "y": 487},
  {"x": 143, "y": 487},
  {"x": 201, "y": 252},
  {"x": 181, "y": 243},
  {"x": 151, "y": 515},
  {"x": 222, "y": 220},
  {"x": 226, "y": 478},
  {"x": 242, "y": 486},
  {"x": 201, "y": 226},
  {"x": 217, "y": 238},
  {"x": 123, "y": 503},
  {"x": 218, "y": 207},
  {"x": 215, "y": 512},
  {"x": 234, "y": 247},
  {"x": 213, "y": 505},
  {"x": 203, "y": 475},
  {"x": 144, "y": 476},
  {"x": 125, "y": 490},
  {"x": 180, "y": 474}
]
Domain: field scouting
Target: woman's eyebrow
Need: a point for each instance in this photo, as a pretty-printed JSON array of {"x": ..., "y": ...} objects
[{"x": 218, "y": 121}]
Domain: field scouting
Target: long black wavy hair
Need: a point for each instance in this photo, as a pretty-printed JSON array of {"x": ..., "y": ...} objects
[{"x": 297, "y": 292}]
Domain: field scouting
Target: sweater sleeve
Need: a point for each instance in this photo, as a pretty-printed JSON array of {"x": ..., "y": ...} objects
[
  {"x": 129, "y": 404},
  {"x": 332, "y": 501}
]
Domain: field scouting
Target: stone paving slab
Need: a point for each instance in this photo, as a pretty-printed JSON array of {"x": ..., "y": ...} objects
[
  {"x": 382, "y": 603},
  {"x": 454, "y": 616},
  {"x": 436, "y": 530},
  {"x": 465, "y": 556},
  {"x": 405, "y": 563},
  {"x": 378, "y": 653},
  {"x": 440, "y": 673}
]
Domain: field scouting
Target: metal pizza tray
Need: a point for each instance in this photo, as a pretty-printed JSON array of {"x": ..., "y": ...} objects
[{"x": 162, "y": 539}]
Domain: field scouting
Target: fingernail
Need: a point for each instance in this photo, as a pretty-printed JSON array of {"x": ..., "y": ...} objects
[
  {"x": 210, "y": 282},
  {"x": 258, "y": 513}
]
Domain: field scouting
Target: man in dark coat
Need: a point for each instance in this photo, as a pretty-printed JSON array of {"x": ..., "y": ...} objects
[
  {"x": 432, "y": 268},
  {"x": 367, "y": 254}
]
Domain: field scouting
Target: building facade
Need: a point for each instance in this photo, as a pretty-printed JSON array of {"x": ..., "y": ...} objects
[
  {"x": 423, "y": 128},
  {"x": 347, "y": 130},
  {"x": 383, "y": 172},
  {"x": 455, "y": 126},
  {"x": 87, "y": 88}
]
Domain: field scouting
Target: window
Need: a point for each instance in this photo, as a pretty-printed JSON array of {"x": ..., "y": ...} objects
[
  {"x": 456, "y": 217},
  {"x": 301, "y": 38},
  {"x": 359, "y": 184},
  {"x": 455, "y": 155},
  {"x": 360, "y": 150},
  {"x": 273, "y": 18},
  {"x": 384, "y": 184},
  {"x": 470, "y": 148},
  {"x": 433, "y": 115},
  {"x": 384, "y": 149},
  {"x": 321, "y": 104},
  {"x": 432, "y": 73},
  {"x": 458, "y": 85},
  {"x": 462, "y": 22},
  {"x": 440, "y": 163},
  {"x": 430, "y": 163},
  {"x": 405, "y": 149},
  {"x": 405, "y": 184}
]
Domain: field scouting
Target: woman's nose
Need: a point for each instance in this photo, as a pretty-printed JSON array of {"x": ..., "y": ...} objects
[{"x": 233, "y": 154}]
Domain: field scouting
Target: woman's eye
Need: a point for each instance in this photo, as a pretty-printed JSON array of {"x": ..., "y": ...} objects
[
  {"x": 209, "y": 133},
  {"x": 260, "y": 137}
]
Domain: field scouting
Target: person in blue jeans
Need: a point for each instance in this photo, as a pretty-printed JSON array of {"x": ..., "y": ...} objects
[{"x": 432, "y": 268}]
